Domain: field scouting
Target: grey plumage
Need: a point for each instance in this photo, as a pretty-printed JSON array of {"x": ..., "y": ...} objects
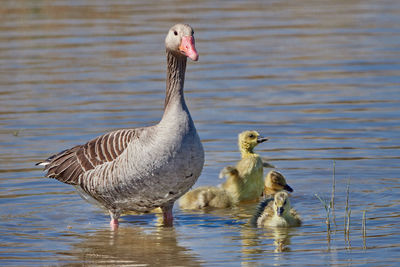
[{"x": 143, "y": 168}]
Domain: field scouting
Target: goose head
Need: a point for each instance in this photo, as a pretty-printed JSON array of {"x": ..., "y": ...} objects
[
  {"x": 276, "y": 181},
  {"x": 180, "y": 40},
  {"x": 248, "y": 140},
  {"x": 281, "y": 204}
]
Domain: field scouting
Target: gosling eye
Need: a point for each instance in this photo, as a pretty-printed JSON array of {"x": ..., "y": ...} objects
[
  {"x": 284, "y": 203},
  {"x": 251, "y": 135},
  {"x": 175, "y": 33}
]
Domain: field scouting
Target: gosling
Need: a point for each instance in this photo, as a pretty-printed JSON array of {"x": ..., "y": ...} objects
[
  {"x": 276, "y": 212},
  {"x": 245, "y": 182},
  {"x": 205, "y": 196},
  {"x": 274, "y": 183},
  {"x": 216, "y": 197}
]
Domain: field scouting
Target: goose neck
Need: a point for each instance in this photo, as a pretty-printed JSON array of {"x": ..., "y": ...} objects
[
  {"x": 176, "y": 67},
  {"x": 247, "y": 152}
]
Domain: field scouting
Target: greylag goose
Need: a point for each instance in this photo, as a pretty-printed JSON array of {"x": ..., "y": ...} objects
[
  {"x": 245, "y": 182},
  {"x": 276, "y": 212},
  {"x": 142, "y": 168},
  {"x": 274, "y": 183}
]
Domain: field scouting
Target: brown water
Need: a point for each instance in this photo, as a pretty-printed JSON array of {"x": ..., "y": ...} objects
[{"x": 321, "y": 79}]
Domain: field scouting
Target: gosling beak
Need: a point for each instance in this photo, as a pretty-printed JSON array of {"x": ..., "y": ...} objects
[
  {"x": 261, "y": 139},
  {"x": 279, "y": 211},
  {"x": 288, "y": 188},
  {"x": 188, "y": 49}
]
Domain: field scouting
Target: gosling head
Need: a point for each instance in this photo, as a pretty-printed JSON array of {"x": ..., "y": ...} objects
[
  {"x": 276, "y": 182},
  {"x": 281, "y": 203},
  {"x": 248, "y": 140},
  {"x": 180, "y": 40}
]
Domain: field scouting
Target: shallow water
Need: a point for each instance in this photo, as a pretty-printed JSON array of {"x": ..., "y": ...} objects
[{"x": 319, "y": 78}]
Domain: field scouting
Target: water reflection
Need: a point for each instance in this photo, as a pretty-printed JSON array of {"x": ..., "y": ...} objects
[
  {"x": 132, "y": 245},
  {"x": 252, "y": 247},
  {"x": 281, "y": 239},
  {"x": 319, "y": 78},
  {"x": 257, "y": 241}
]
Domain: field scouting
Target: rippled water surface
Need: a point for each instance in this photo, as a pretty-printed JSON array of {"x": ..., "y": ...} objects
[{"x": 321, "y": 79}]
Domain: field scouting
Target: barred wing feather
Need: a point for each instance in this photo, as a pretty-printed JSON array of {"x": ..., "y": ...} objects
[{"x": 70, "y": 164}]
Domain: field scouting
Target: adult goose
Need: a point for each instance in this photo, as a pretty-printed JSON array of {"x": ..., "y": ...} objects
[{"x": 142, "y": 168}]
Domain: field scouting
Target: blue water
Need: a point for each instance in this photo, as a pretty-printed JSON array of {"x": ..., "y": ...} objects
[{"x": 319, "y": 78}]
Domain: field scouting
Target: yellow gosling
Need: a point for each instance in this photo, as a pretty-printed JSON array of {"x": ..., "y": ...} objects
[
  {"x": 278, "y": 213},
  {"x": 245, "y": 181},
  {"x": 274, "y": 183},
  {"x": 205, "y": 196}
]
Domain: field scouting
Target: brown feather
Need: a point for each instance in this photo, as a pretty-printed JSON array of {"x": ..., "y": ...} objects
[
  {"x": 69, "y": 165},
  {"x": 111, "y": 146}
]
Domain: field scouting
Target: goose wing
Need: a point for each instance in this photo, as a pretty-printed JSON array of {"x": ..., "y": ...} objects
[
  {"x": 228, "y": 171},
  {"x": 296, "y": 216},
  {"x": 68, "y": 165},
  {"x": 260, "y": 210}
]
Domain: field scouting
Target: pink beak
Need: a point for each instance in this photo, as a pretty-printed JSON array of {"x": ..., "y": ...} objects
[{"x": 187, "y": 47}]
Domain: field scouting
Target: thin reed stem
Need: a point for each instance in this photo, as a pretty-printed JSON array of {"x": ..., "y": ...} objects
[
  {"x": 348, "y": 224},
  {"x": 327, "y": 209},
  {"x": 332, "y": 202},
  {"x": 346, "y": 212},
  {"x": 364, "y": 230},
  {"x": 347, "y": 237}
]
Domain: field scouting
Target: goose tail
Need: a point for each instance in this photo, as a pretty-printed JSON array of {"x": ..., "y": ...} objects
[
  {"x": 49, "y": 159},
  {"x": 43, "y": 163}
]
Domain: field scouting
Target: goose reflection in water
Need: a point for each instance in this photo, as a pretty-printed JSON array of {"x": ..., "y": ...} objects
[{"x": 132, "y": 246}]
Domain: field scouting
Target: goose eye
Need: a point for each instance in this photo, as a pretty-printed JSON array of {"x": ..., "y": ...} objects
[{"x": 176, "y": 33}]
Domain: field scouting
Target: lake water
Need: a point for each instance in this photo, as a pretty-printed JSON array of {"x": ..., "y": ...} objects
[{"x": 321, "y": 79}]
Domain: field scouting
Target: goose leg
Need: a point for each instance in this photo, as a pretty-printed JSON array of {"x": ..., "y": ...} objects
[
  {"x": 114, "y": 220},
  {"x": 168, "y": 219},
  {"x": 114, "y": 224}
]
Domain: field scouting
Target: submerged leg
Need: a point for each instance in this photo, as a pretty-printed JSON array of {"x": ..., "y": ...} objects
[
  {"x": 114, "y": 224},
  {"x": 168, "y": 219},
  {"x": 114, "y": 220}
]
